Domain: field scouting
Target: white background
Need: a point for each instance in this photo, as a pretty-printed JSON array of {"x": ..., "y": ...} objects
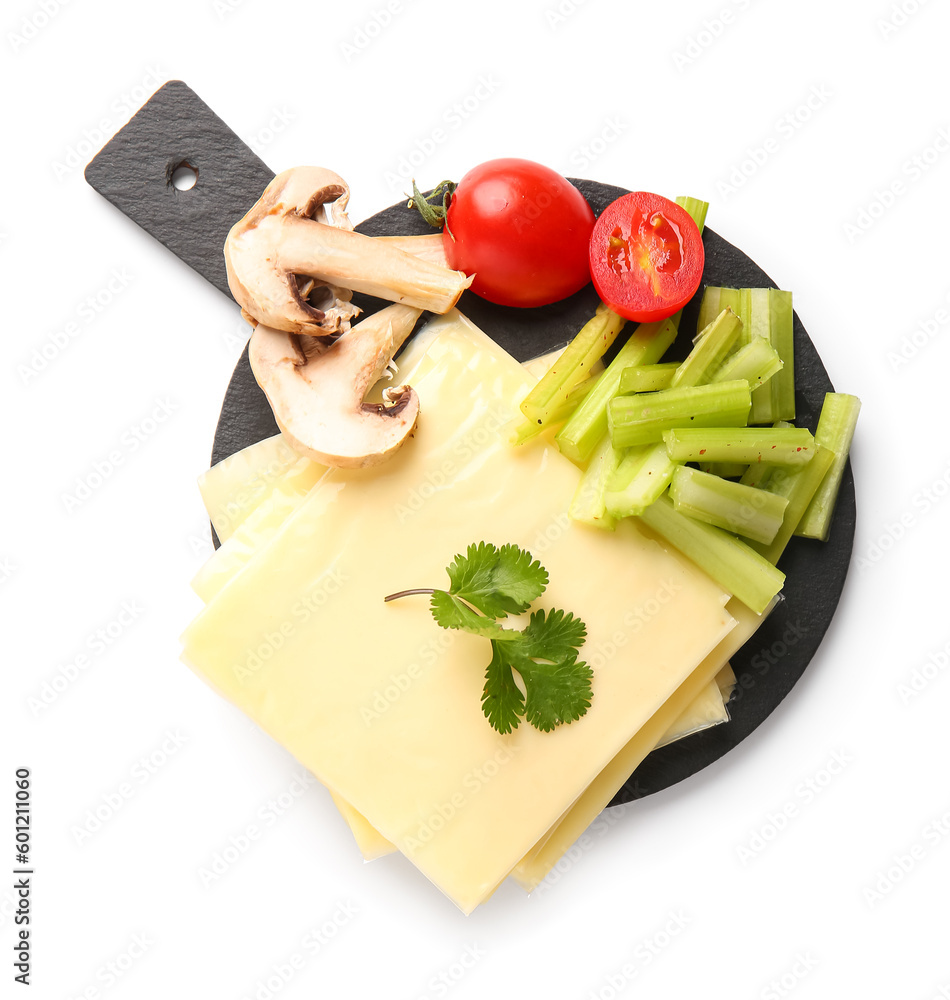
[{"x": 800, "y": 123}]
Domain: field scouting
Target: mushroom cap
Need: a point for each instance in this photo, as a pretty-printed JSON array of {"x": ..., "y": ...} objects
[
  {"x": 265, "y": 285},
  {"x": 317, "y": 390}
]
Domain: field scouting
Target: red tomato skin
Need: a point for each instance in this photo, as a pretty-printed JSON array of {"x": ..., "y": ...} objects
[
  {"x": 522, "y": 229},
  {"x": 651, "y": 295}
]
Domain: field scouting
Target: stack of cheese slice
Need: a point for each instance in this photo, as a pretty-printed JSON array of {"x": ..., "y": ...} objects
[{"x": 383, "y": 706}]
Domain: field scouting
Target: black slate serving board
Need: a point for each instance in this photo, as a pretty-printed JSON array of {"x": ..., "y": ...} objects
[{"x": 175, "y": 127}]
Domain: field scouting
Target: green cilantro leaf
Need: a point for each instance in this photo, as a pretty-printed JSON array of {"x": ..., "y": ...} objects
[
  {"x": 497, "y": 581},
  {"x": 489, "y": 583},
  {"x": 558, "y": 686},
  {"x": 502, "y": 700},
  {"x": 450, "y": 612}
]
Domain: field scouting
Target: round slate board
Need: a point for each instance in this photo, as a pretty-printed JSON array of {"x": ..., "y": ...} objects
[{"x": 768, "y": 666}]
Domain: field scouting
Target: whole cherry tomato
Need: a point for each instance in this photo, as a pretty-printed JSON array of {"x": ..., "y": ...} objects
[{"x": 521, "y": 228}]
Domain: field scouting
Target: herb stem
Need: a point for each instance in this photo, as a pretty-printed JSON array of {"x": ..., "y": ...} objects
[{"x": 407, "y": 593}]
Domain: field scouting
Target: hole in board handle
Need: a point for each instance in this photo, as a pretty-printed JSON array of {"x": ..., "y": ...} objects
[{"x": 184, "y": 176}]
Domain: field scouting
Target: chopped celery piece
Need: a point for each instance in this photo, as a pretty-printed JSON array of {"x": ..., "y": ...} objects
[
  {"x": 640, "y": 479},
  {"x": 713, "y": 302},
  {"x": 756, "y": 362},
  {"x": 573, "y": 365},
  {"x": 733, "y": 564},
  {"x": 708, "y": 309},
  {"x": 647, "y": 378},
  {"x": 725, "y": 470},
  {"x": 643, "y": 418},
  {"x": 697, "y": 209},
  {"x": 757, "y": 474},
  {"x": 798, "y": 486},
  {"x": 522, "y": 431},
  {"x": 767, "y": 313},
  {"x": 743, "y": 510},
  {"x": 776, "y": 445},
  {"x": 754, "y": 312},
  {"x": 777, "y": 400},
  {"x": 709, "y": 350},
  {"x": 839, "y": 415},
  {"x": 584, "y": 429},
  {"x": 588, "y": 503}
]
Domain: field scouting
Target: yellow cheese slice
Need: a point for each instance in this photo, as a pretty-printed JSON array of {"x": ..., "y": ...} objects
[
  {"x": 726, "y": 679},
  {"x": 707, "y": 709},
  {"x": 301, "y": 640},
  {"x": 236, "y": 486},
  {"x": 371, "y": 843},
  {"x": 257, "y": 526},
  {"x": 233, "y": 488},
  {"x": 284, "y": 497},
  {"x": 545, "y": 854}
]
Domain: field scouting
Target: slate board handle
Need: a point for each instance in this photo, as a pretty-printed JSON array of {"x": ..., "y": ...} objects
[{"x": 134, "y": 172}]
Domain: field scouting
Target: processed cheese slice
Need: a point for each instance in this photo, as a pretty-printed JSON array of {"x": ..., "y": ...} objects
[
  {"x": 253, "y": 532},
  {"x": 726, "y": 679},
  {"x": 545, "y": 854},
  {"x": 707, "y": 709},
  {"x": 371, "y": 843},
  {"x": 302, "y": 641},
  {"x": 240, "y": 492},
  {"x": 234, "y": 487},
  {"x": 257, "y": 526}
]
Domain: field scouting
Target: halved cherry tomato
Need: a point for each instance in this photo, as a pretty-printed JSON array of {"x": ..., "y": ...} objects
[
  {"x": 522, "y": 229},
  {"x": 646, "y": 256}
]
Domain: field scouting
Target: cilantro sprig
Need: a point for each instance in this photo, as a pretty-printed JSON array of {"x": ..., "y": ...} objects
[{"x": 488, "y": 584}]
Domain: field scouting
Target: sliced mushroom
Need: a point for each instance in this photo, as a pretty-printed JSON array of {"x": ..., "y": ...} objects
[
  {"x": 317, "y": 390},
  {"x": 287, "y": 234},
  {"x": 429, "y": 247}
]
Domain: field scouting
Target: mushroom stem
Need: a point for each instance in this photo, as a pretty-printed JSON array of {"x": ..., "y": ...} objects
[
  {"x": 430, "y": 247},
  {"x": 365, "y": 264}
]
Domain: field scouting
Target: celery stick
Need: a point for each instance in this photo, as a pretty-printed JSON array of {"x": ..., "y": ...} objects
[
  {"x": 587, "y": 505},
  {"x": 573, "y": 365},
  {"x": 781, "y": 334},
  {"x": 776, "y": 445},
  {"x": 585, "y": 428},
  {"x": 745, "y": 312},
  {"x": 522, "y": 431},
  {"x": 643, "y": 418},
  {"x": 839, "y": 415},
  {"x": 798, "y": 486},
  {"x": 709, "y": 350},
  {"x": 725, "y": 470},
  {"x": 640, "y": 479},
  {"x": 758, "y": 473},
  {"x": 647, "y": 378},
  {"x": 767, "y": 313},
  {"x": 729, "y": 299},
  {"x": 709, "y": 309},
  {"x": 733, "y": 564},
  {"x": 696, "y": 208},
  {"x": 760, "y": 312},
  {"x": 772, "y": 318},
  {"x": 756, "y": 362},
  {"x": 743, "y": 510}
]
